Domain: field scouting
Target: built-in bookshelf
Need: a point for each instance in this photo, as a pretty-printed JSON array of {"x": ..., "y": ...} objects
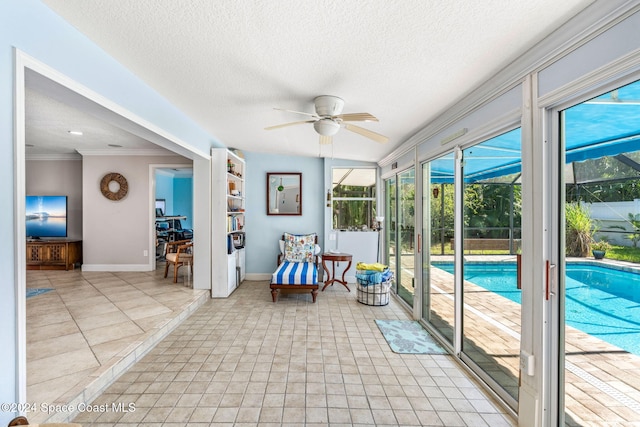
[{"x": 228, "y": 216}]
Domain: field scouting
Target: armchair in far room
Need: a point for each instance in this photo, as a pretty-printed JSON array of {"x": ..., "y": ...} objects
[
  {"x": 297, "y": 265},
  {"x": 178, "y": 253}
]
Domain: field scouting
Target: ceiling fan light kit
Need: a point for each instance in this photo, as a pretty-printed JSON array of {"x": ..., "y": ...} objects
[
  {"x": 326, "y": 127},
  {"x": 328, "y": 119}
]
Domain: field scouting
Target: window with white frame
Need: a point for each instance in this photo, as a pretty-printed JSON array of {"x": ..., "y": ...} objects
[{"x": 354, "y": 198}]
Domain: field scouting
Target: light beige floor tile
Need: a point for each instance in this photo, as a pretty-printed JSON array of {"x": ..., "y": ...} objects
[
  {"x": 48, "y": 318},
  {"x": 108, "y": 350},
  {"x": 44, "y": 332},
  {"x": 55, "y": 346},
  {"x": 100, "y": 320},
  {"x": 39, "y": 370},
  {"x": 84, "y": 311},
  {"x": 49, "y": 391},
  {"x": 77, "y": 304},
  {"x": 112, "y": 332}
]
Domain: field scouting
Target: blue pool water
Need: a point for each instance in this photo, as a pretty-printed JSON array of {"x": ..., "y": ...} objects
[{"x": 603, "y": 302}]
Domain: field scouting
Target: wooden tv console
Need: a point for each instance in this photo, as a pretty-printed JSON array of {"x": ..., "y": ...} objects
[{"x": 53, "y": 254}]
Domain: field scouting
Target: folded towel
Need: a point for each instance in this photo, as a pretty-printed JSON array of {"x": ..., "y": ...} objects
[
  {"x": 369, "y": 277},
  {"x": 373, "y": 267}
]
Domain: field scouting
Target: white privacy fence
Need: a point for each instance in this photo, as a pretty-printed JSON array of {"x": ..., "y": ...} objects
[{"x": 612, "y": 219}]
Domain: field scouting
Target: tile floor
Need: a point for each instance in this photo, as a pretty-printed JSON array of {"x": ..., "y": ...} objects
[
  {"x": 247, "y": 361},
  {"x": 602, "y": 381},
  {"x": 93, "y": 326}
]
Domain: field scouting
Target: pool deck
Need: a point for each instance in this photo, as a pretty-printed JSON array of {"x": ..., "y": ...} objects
[{"x": 602, "y": 381}]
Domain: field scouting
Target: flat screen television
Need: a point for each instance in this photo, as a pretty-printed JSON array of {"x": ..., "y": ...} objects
[{"x": 46, "y": 216}]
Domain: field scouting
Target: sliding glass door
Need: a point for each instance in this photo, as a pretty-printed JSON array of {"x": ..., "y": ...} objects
[
  {"x": 491, "y": 236},
  {"x": 400, "y": 195},
  {"x": 390, "y": 225},
  {"x": 405, "y": 271},
  {"x": 598, "y": 306},
  {"x": 438, "y": 308}
]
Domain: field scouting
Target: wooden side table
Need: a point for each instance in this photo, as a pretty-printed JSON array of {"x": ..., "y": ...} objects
[{"x": 334, "y": 257}]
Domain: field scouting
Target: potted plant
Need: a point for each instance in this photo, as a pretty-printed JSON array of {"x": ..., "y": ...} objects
[{"x": 600, "y": 248}]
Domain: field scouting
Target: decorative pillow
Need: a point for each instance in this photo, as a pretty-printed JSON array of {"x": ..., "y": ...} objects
[
  {"x": 299, "y": 247},
  {"x": 317, "y": 250}
]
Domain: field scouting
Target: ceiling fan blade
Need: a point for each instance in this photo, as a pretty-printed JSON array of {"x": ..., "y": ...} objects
[
  {"x": 288, "y": 124},
  {"x": 367, "y": 133},
  {"x": 357, "y": 117},
  {"x": 298, "y": 112},
  {"x": 325, "y": 140}
]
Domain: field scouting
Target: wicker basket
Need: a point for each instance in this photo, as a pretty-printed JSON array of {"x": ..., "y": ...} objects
[{"x": 371, "y": 293}]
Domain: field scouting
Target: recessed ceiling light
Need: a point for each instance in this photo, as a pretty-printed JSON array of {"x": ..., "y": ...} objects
[
  {"x": 115, "y": 145},
  {"x": 75, "y": 132}
]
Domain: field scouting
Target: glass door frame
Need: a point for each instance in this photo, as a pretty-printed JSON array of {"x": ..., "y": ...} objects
[
  {"x": 554, "y": 334},
  {"x": 423, "y": 256},
  {"x": 391, "y": 217},
  {"x": 417, "y": 238},
  {"x": 553, "y": 373},
  {"x": 459, "y": 262},
  {"x": 414, "y": 240},
  {"x": 458, "y": 326}
]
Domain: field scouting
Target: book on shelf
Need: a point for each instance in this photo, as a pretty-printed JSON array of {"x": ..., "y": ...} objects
[{"x": 234, "y": 223}]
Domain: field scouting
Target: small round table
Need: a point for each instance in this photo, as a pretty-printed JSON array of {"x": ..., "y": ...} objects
[{"x": 334, "y": 257}]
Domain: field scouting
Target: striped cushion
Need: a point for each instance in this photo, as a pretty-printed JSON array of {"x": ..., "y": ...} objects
[{"x": 295, "y": 273}]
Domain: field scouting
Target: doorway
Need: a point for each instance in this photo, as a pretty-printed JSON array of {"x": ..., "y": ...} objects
[{"x": 31, "y": 74}]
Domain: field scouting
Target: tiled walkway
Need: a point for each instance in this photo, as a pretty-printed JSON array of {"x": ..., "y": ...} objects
[
  {"x": 93, "y": 326},
  {"x": 247, "y": 361}
]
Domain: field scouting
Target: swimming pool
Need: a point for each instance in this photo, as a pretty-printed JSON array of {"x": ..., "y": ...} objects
[{"x": 603, "y": 302}]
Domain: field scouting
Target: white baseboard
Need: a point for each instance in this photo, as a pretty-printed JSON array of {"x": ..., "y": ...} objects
[{"x": 116, "y": 267}]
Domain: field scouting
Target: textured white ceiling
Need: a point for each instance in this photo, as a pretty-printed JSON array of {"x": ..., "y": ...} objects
[
  {"x": 50, "y": 120},
  {"x": 227, "y": 63}
]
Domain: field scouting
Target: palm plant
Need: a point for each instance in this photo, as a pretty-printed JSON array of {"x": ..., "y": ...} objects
[{"x": 579, "y": 230}]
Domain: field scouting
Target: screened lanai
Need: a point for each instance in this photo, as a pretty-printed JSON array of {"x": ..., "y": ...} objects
[
  {"x": 602, "y": 155},
  {"x": 600, "y": 329}
]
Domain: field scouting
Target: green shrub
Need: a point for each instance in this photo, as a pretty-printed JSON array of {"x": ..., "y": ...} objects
[{"x": 579, "y": 230}]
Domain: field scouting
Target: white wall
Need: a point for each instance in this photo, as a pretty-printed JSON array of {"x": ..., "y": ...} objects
[
  {"x": 116, "y": 233},
  {"x": 59, "y": 177}
]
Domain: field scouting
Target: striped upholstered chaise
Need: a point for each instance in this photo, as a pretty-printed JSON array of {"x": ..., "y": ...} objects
[{"x": 297, "y": 265}]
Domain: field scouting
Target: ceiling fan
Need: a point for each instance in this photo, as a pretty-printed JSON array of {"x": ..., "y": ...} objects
[{"x": 328, "y": 119}]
